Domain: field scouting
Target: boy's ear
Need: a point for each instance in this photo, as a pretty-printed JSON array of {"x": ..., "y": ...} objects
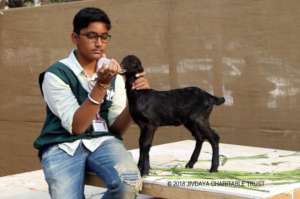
[{"x": 74, "y": 38}]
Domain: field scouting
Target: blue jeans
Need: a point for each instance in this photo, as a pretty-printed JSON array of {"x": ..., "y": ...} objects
[{"x": 65, "y": 174}]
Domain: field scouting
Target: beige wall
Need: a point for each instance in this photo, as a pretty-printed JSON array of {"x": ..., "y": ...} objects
[{"x": 248, "y": 51}]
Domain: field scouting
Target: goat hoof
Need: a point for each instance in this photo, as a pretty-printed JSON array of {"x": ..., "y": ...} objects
[
  {"x": 143, "y": 171},
  {"x": 189, "y": 165},
  {"x": 212, "y": 170}
]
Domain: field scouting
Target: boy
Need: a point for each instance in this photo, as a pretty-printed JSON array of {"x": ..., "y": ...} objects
[{"x": 86, "y": 111}]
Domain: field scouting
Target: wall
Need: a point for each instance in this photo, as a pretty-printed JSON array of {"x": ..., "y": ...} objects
[{"x": 247, "y": 51}]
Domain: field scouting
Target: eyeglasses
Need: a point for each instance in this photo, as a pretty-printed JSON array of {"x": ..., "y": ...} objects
[{"x": 92, "y": 36}]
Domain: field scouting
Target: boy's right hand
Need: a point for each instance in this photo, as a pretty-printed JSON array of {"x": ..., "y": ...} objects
[{"x": 107, "y": 72}]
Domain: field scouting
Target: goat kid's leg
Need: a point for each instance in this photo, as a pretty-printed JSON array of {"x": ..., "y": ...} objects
[
  {"x": 193, "y": 127},
  {"x": 195, "y": 155},
  {"x": 214, "y": 140},
  {"x": 145, "y": 142}
]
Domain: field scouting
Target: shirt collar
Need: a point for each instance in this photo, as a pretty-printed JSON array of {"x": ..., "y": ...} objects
[{"x": 72, "y": 62}]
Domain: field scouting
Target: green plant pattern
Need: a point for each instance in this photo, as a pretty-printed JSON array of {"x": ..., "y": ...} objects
[{"x": 179, "y": 172}]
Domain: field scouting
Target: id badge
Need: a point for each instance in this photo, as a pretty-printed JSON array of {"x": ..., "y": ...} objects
[{"x": 99, "y": 124}]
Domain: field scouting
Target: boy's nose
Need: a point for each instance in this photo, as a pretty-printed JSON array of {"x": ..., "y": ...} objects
[{"x": 98, "y": 42}]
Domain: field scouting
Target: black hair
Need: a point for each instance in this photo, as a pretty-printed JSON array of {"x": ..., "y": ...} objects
[{"x": 88, "y": 15}]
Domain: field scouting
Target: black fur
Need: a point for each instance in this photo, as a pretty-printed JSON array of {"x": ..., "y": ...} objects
[{"x": 189, "y": 106}]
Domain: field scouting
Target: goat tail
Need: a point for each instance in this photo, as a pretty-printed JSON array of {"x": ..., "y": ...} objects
[{"x": 219, "y": 100}]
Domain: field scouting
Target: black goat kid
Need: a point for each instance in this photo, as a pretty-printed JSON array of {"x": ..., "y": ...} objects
[{"x": 150, "y": 109}]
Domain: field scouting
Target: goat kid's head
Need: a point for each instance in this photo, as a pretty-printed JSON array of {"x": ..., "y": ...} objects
[{"x": 132, "y": 65}]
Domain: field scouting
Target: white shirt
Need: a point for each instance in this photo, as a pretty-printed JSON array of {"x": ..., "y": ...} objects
[{"x": 62, "y": 102}]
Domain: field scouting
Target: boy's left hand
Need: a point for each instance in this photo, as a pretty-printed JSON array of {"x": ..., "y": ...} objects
[{"x": 141, "y": 82}]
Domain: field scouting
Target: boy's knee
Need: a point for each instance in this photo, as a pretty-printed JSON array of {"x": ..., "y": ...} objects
[
  {"x": 132, "y": 180},
  {"x": 122, "y": 189},
  {"x": 130, "y": 176},
  {"x": 128, "y": 183}
]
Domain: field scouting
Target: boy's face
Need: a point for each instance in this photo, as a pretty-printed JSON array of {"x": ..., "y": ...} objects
[{"x": 92, "y": 41}]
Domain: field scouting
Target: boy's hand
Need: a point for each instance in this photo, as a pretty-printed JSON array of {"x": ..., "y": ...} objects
[
  {"x": 141, "y": 82},
  {"x": 108, "y": 71}
]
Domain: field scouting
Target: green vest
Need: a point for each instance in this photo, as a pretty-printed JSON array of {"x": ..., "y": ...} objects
[{"x": 53, "y": 132}]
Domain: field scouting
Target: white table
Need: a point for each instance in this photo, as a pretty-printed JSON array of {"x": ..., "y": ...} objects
[
  {"x": 163, "y": 183},
  {"x": 31, "y": 185}
]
